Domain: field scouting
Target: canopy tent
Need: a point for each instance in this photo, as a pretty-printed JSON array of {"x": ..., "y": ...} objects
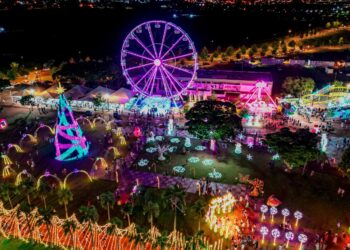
[
  {"x": 77, "y": 92},
  {"x": 121, "y": 96},
  {"x": 104, "y": 92}
]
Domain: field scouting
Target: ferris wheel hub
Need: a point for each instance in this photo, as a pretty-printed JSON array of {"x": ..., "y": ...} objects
[{"x": 157, "y": 62}]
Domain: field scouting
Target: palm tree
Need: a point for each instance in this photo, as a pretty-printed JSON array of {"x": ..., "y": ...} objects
[
  {"x": 27, "y": 187},
  {"x": 107, "y": 202},
  {"x": 162, "y": 241},
  {"x": 151, "y": 209},
  {"x": 127, "y": 210},
  {"x": 5, "y": 192},
  {"x": 64, "y": 197},
  {"x": 196, "y": 241},
  {"x": 69, "y": 227},
  {"x": 90, "y": 216},
  {"x": 199, "y": 209},
  {"x": 175, "y": 197},
  {"x": 46, "y": 215},
  {"x": 43, "y": 191},
  {"x": 25, "y": 208},
  {"x": 115, "y": 223}
]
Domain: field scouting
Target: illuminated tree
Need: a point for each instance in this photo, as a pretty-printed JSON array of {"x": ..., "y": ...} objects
[
  {"x": 69, "y": 140},
  {"x": 46, "y": 215},
  {"x": 204, "y": 53},
  {"x": 296, "y": 86},
  {"x": 69, "y": 226},
  {"x": 89, "y": 215}
]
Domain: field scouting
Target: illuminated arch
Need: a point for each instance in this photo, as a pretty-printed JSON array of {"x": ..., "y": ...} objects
[
  {"x": 19, "y": 178},
  {"x": 99, "y": 119},
  {"x": 16, "y": 147},
  {"x": 32, "y": 139},
  {"x": 52, "y": 130},
  {"x": 7, "y": 171},
  {"x": 75, "y": 171},
  {"x": 47, "y": 174},
  {"x": 82, "y": 118},
  {"x": 100, "y": 161}
]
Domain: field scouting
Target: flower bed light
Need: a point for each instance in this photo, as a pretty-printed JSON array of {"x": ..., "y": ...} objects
[
  {"x": 208, "y": 162},
  {"x": 200, "y": 148},
  {"x": 143, "y": 162},
  {"x": 179, "y": 169},
  {"x": 172, "y": 149},
  {"x": 193, "y": 159},
  {"x": 159, "y": 138},
  {"x": 151, "y": 150},
  {"x": 174, "y": 140},
  {"x": 215, "y": 175}
]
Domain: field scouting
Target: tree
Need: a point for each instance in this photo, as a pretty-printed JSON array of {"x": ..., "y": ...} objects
[
  {"x": 69, "y": 227},
  {"x": 250, "y": 53},
  {"x": 295, "y": 148},
  {"x": 254, "y": 48},
  {"x": 292, "y": 44},
  {"x": 90, "y": 216},
  {"x": 345, "y": 160},
  {"x": 27, "y": 100},
  {"x": 27, "y": 188},
  {"x": 12, "y": 73},
  {"x": 204, "y": 53},
  {"x": 175, "y": 197},
  {"x": 151, "y": 210},
  {"x": 341, "y": 41},
  {"x": 213, "y": 119},
  {"x": 46, "y": 215},
  {"x": 199, "y": 208},
  {"x": 264, "y": 47},
  {"x": 115, "y": 223},
  {"x": 98, "y": 101},
  {"x": 162, "y": 241},
  {"x": 43, "y": 191},
  {"x": 243, "y": 50},
  {"x": 127, "y": 210},
  {"x": 229, "y": 51},
  {"x": 284, "y": 48},
  {"x": 238, "y": 55},
  {"x": 64, "y": 197},
  {"x": 296, "y": 86},
  {"x": 24, "y": 208},
  {"x": 328, "y": 25},
  {"x": 107, "y": 202},
  {"x": 5, "y": 192},
  {"x": 218, "y": 50},
  {"x": 4, "y": 83}
]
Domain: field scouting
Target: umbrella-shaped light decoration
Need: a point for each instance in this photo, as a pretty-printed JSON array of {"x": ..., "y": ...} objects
[
  {"x": 273, "y": 212},
  {"x": 285, "y": 213},
  {"x": 263, "y": 210},
  {"x": 275, "y": 234},
  {"x": 297, "y": 215},
  {"x": 289, "y": 236},
  {"x": 302, "y": 239},
  {"x": 264, "y": 231}
]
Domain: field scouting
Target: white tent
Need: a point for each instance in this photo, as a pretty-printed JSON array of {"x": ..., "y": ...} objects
[
  {"x": 95, "y": 92},
  {"x": 77, "y": 92},
  {"x": 121, "y": 96}
]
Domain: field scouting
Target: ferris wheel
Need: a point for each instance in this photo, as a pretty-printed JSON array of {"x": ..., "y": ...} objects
[{"x": 159, "y": 59}]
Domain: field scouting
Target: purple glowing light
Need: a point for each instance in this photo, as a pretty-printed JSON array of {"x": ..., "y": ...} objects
[
  {"x": 302, "y": 238},
  {"x": 289, "y": 236},
  {"x": 151, "y": 56}
]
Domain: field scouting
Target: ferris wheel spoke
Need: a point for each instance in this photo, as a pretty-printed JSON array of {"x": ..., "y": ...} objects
[
  {"x": 145, "y": 75},
  {"x": 143, "y": 46},
  {"x": 178, "y": 57},
  {"x": 172, "y": 80},
  {"x": 163, "y": 39},
  {"x": 172, "y": 46},
  {"x": 149, "y": 80},
  {"x": 153, "y": 81},
  {"x": 177, "y": 68},
  {"x": 139, "y": 66},
  {"x": 165, "y": 83},
  {"x": 138, "y": 55},
  {"x": 152, "y": 40}
]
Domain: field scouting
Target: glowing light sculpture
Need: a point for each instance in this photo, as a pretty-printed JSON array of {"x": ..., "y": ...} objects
[
  {"x": 264, "y": 231},
  {"x": 275, "y": 234},
  {"x": 298, "y": 216},
  {"x": 324, "y": 142},
  {"x": 69, "y": 140},
  {"x": 170, "y": 127},
  {"x": 273, "y": 212},
  {"x": 289, "y": 236},
  {"x": 302, "y": 238},
  {"x": 285, "y": 213},
  {"x": 6, "y": 160},
  {"x": 238, "y": 148},
  {"x": 263, "y": 210},
  {"x": 188, "y": 142}
]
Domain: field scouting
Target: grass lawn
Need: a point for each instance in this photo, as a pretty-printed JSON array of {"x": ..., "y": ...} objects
[{"x": 11, "y": 244}]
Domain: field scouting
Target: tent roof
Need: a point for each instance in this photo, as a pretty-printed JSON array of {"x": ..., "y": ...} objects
[
  {"x": 77, "y": 92},
  {"x": 97, "y": 91},
  {"x": 121, "y": 96}
]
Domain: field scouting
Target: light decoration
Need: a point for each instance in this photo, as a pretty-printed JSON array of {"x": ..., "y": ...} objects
[
  {"x": 212, "y": 145},
  {"x": 32, "y": 139},
  {"x": 249, "y": 157},
  {"x": 275, "y": 234},
  {"x": 200, "y": 148},
  {"x": 41, "y": 126},
  {"x": 122, "y": 140},
  {"x": 159, "y": 138},
  {"x": 241, "y": 137},
  {"x": 298, "y": 216},
  {"x": 175, "y": 140},
  {"x": 289, "y": 237},
  {"x": 273, "y": 212},
  {"x": 285, "y": 213},
  {"x": 7, "y": 171},
  {"x": 250, "y": 144},
  {"x": 143, "y": 162},
  {"x": 179, "y": 169},
  {"x": 3, "y": 123},
  {"x": 151, "y": 150},
  {"x": 47, "y": 174},
  {"x": 84, "y": 119},
  {"x": 75, "y": 172},
  {"x": 19, "y": 177},
  {"x": 275, "y": 157},
  {"x": 302, "y": 238},
  {"x": 193, "y": 159},
  {"x": 263, "y": 210},
  {"x": 16, "y": 147},
  {"x": 264, "y": 231},
  {"x": 6, "y": 160},
  {"x": 188, "y": 142},
  {"x": 69, "y": 140},
  {"x": 208, "y": 162},
  {"x": 100, "y": 162},
  {"x": 222, "y": 205},
  {"x": 137, "y": 132},
  {"x": 114, "y": 151},
  {"x": 324, "y": 142},
  {"x": 172, "y": 149},
  {"x": 215, "y": 174},
  {"x": 170, "y": 127},
  {"x": 119, "y": 132},
  {"x": 238, "y": 148}
]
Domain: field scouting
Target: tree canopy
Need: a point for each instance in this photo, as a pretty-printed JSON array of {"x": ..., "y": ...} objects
[
  {"x": 345, "y": 160},
  {"x": 295, "y": 148},
  {"x": 213, "y": 119},
  {"x": 296, "y": 86},
  {"x": 27, "y": 100}
]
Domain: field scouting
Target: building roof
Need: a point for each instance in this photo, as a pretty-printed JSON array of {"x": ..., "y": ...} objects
[
  {"x": 234, "y": 75},
  {"x": 97, "y": 91},
  {"x": 77, "y": 92}
]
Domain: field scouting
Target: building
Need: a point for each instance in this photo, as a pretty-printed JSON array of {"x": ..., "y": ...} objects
[{"x": 228, "y": 85}]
